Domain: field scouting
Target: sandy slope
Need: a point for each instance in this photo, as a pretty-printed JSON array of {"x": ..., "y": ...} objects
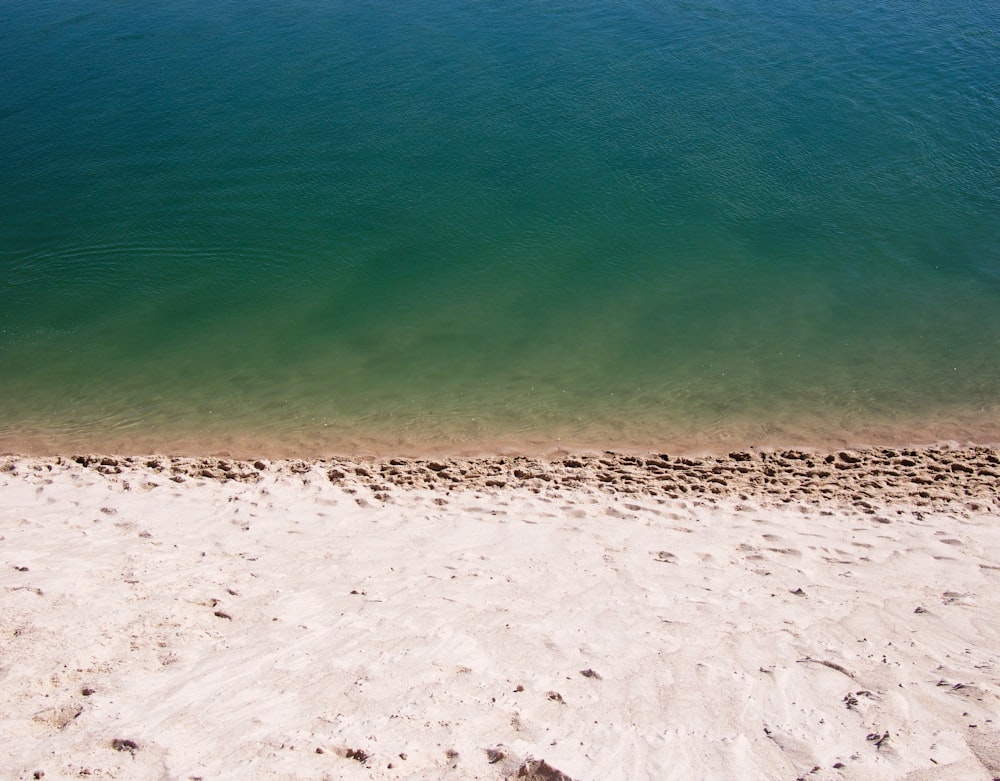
[{"x": 618, "y": 619}]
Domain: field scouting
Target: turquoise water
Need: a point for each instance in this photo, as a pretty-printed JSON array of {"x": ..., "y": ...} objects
[{"x": 335, "y": 225}]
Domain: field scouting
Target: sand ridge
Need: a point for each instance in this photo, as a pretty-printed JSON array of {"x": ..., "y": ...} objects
[
  {"x": 926, "y": 477},
  {"x": 589, "y": 617}
]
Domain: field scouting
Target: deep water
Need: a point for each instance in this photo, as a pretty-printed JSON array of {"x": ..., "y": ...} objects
[{"x": 342, "y": 225}]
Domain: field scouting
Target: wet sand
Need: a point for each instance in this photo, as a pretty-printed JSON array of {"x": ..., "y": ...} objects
[{"x": 778, "y": 614}]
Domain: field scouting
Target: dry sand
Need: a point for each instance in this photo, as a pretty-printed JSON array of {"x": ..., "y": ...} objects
[{"x": 759, "y": 615}]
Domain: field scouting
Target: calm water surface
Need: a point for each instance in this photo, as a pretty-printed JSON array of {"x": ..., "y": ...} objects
[{"x": 368, "y": 225}]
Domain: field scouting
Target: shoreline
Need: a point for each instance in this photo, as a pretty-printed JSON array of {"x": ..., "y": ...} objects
[
  {"x": 587, "y": 617},
  {"x": 445, "y": 440}
]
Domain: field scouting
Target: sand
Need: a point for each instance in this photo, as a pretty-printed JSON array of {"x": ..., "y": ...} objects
[{"x": 773, "y": 615}]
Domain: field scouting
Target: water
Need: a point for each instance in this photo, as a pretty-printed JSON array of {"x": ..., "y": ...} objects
[{"x": 314, "y": 226}]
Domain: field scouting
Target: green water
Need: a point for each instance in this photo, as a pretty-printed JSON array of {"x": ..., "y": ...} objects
[{"x": 316, "y": 226}]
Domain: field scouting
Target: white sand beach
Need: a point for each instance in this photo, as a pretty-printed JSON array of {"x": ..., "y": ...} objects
[{"x": 752, "y": 616}]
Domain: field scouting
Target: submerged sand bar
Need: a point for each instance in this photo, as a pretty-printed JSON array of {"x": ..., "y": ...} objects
[{"x": 758, "y": 615}]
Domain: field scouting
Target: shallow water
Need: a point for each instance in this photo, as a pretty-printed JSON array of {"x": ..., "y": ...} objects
[{"x": 343, "y": 226}]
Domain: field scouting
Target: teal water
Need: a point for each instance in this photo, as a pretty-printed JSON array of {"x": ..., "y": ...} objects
[{"x": 347, "y": 225}]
